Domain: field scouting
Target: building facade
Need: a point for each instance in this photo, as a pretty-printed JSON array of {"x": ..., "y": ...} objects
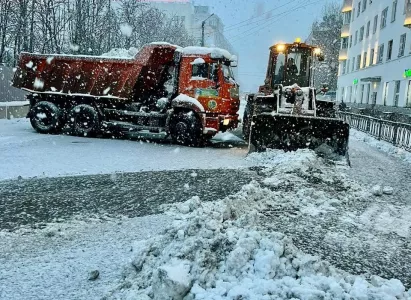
[{"x": 375, "y": 54}]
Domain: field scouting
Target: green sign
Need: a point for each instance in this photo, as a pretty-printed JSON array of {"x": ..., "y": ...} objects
[
  {"x": 355, "y": 81},
  {"x": 407, "y": 73},
  {"x": 206, "y": 92}
]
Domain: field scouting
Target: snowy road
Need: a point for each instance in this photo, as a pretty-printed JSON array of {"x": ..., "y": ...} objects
[{"x": 370, "y": 236}]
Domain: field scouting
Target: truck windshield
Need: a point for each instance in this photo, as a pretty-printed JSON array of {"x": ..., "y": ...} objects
[
  {"x": 292, "y": 67},
  {"x": 228, "y": 73}
]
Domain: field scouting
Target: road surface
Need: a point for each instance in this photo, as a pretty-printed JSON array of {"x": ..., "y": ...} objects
[{"x": 375, "y": 239}]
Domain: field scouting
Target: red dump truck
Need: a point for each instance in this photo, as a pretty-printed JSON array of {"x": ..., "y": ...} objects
[{"x": 186, "y": 93}]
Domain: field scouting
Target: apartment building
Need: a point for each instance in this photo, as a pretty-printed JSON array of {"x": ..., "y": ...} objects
[{"x": 375, "y": 54}]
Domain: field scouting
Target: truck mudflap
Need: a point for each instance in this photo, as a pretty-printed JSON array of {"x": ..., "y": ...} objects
[{"x": 290, "y": 133}]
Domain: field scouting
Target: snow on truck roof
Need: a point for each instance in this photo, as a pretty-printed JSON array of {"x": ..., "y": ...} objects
[{"x": 213, "y": 52}]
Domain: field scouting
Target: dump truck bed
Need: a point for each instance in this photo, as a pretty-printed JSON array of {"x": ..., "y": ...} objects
[{"x": 94, "y": 76}]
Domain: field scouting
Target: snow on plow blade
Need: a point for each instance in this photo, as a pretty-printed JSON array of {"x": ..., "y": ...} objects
[{"x": 295, "y": 132}]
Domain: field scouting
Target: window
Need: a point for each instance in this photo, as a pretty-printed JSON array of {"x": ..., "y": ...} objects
[
  {"x": 353, "y": 64},
  {"x": 358, "y": 61},
  {"x": 364, "y": 5},
  {"x": 353, "y": 15},
  {"x": 361, "y": 33},
  {"x": 374, "y": 98},
  {"x": 384, "y": 18},
  {"x": 349, "y": 93},
  {"x": 389, "y": 50},
  {"x": 384, "y": 98},
  {"x": 355, "y": 93},
  {"x": 347, "y": 17},
  {"x": 372, "y": 57},
  {"x": 397, "y": 87},
  {"x": 405, "y": 7},
  {"x": 344, "y": 43},
  {"x": 394, "y": 10},
  {"x": 364, "y": 60},
  {"x": 367, "y": 33},
  {"x": 408, "y": 102},
  {"x": 356, "y": 38},
  {"x": 402, "y": 45},
  {"x": 350, "y": 41},
  {"x": 348, "y": 67},
  {"x": 343, "y": 67},
  {"x": 374, "y": 28},
  {"x": 342, "y": 94},
  {"x": 203, "y": 70},
  {"x": 362, "y": 92},
  {"x": 359, "y": 9},
  {"x": 380, "y": 53}
]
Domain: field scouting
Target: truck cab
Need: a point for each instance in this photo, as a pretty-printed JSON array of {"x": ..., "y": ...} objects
[{"x": 206, "y": 75}]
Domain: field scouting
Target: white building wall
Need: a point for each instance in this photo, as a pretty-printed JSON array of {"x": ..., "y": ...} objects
[
  {"x": 183, "y": 10},
  {"x": 390, "y": 70}
]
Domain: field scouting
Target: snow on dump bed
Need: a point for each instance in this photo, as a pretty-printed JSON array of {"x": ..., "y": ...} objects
[
  {"x": 121, "y": 53},
  {"x": 227, "y": 250},
  {"x": 214, "y": 52}
]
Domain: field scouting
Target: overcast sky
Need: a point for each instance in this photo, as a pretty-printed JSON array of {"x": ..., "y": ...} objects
[{"x": 264, "y": 22}]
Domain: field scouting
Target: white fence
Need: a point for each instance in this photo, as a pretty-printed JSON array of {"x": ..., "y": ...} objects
[{"x": 398, "y": 134}]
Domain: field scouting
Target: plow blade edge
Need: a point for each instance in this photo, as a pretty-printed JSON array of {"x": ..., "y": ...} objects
[{"x": 295, "y": 132}]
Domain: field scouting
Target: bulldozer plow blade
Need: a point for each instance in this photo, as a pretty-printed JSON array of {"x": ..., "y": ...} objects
[{"x": 290, "y": 133}]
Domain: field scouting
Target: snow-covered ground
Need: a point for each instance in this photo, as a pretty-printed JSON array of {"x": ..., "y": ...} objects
[
  {"x": 381, "y": 145},
  {"x": 25, "y": 153},
  {"x": 226, "y": 249},
  {"x": 240, "y": 247},
  {"x": 55, "y": 263}
]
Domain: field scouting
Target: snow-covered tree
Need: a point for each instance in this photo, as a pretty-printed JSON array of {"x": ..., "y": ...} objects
[{"x": 326, "y": 35}]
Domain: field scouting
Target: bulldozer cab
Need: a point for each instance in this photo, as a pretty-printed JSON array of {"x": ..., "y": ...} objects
[{"x": 290, "y": 64}]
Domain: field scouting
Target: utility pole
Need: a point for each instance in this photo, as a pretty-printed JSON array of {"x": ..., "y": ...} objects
[{"x": 202, "y": 29}]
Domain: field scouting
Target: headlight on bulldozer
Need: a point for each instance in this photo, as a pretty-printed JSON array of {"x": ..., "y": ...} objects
[
  {"x": 226, "y": 122},
  {"x": 234, "y": 93}
]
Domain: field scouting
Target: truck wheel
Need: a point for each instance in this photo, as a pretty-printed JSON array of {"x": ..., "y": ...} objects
[
  {"x": 186, "y": 129},
  {"x": 46, "y": 117},
  {"x": 84, "y": 120}
]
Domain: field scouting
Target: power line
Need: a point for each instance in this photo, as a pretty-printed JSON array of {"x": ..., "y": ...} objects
[
  {"x": 233, "y": 25},
  {"x": 283, "y": 14}
]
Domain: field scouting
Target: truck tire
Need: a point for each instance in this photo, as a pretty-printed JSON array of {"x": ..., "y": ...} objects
[
  {"x": 46, "y": 117},
  {"x": 84, "y": 120},
  {"x": 186, "y": 129}
]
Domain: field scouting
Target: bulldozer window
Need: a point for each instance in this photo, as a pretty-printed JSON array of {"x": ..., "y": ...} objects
[
  {"x": 228, "y": 73},
  {"x": 292, "y": 67}
]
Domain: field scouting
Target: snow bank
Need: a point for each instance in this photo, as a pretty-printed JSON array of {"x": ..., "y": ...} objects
[
  {"x": 381, "y": 145},
  {"x": 227, "y": 250},
  {"x": 121, "y": 53}
]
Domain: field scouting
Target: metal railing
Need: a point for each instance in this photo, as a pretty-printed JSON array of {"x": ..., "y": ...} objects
[{"x": 398, "y": 134}]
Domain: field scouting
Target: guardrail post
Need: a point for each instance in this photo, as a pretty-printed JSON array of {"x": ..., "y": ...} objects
[
  {"x": 379, "y": 129},
  {"x": 395, "y": 135}
]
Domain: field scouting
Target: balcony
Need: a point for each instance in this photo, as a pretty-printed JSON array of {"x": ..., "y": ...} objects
[
  {"x": 343, "y": 54},
  {"x": 407, "y": 22},
  {"x": 345, "y": 31},
  {"x": 347, "y": 6}
]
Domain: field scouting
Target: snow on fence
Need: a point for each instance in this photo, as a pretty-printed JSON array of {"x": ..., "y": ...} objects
[{"x": 398, "y": 134}]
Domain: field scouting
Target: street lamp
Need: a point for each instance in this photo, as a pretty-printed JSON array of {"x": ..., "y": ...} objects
[{"x": 202, "y": 29}]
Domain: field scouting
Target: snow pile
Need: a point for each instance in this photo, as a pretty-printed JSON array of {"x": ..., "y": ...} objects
[
  {"x": 227, "y": 250},
  {"x": 381, "y": 145},
  {"x": 121, "y": 53}
]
